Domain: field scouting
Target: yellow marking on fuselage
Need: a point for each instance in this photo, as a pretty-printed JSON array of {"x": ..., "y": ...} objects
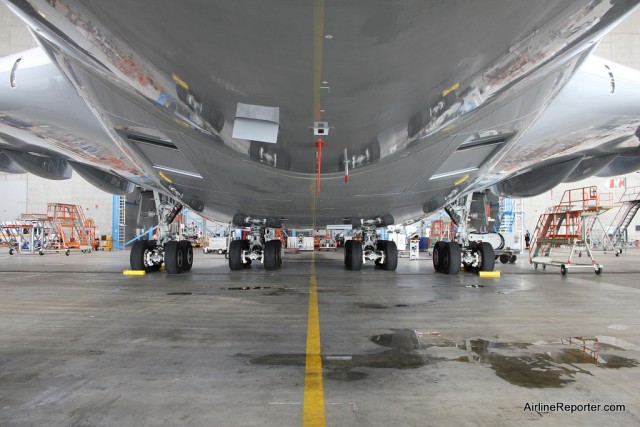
[
  {"x": 463, "y": 179},
  {"x": 165, "y": 177},
  {"x": 180, "y": 82},
  {"x": 451, "y": 89}
]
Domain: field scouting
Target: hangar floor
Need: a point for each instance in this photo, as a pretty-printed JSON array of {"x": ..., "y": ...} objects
[{"x": 80, "y": 344}]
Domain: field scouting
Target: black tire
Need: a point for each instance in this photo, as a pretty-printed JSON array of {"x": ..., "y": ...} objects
[
  {"x": 270, "y": 255},
  {"x": 451, "y": 258},
  {"x": 355, "y": 257},
  {"x": 512, "y": 259},
  {"x": 235, "y": 254},
  {"x": 487, "y": 257},
  {"x": 391, "y": 256},
  {"x": 67, "y": 252},
  {"x": 598, "y": 270},
  {"x": 137, "y": 255},
  {"x": 187, "y": 255},
  {"x": 173, "y": 257},
  {"x": 563, "y": 270},
  {"x": 347, "y": 253},
  {"x": 437, "y": 256},
  {"x": 504, "y": 258},
  {"x": 279, "y": 252},
  {"x": 11, "y": 251}
]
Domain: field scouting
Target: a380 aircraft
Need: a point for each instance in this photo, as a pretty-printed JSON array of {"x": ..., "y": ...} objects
[{"x": 315, "y": 112}]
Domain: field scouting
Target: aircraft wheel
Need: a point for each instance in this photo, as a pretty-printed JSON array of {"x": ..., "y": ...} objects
[
  {"x": 151, "y": 245},
  {"x": 437, "y": 255},
  {"x": 279, "y": 252},
  {"x": 187, "y": 254},
  {"x": 391, "y": 256},
  {"x": 504, "y": 258},
  {"x": 173, "y": 257},
  {"x": 355, "y": 257},
  {"x": 512, "y": 259},
  {"x": 487, "y": 257},
  {"x": 138, "y": 255},
  {"x": 451, "y": 258},
  {"x": 347, "y": 253},
  {"x": 246, "y": 246},
  {"x": 235, "y": 254},
  {"x": 271, "y": 255}
]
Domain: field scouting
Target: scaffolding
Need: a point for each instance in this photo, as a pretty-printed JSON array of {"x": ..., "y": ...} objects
[
  {"x": 30, "y": 234},
  {"x": 630, "y": 203},
  {"x": 442, "y": 230},
  {"x": 74, "y": 231},
  {"x": 567, "y": 226}
]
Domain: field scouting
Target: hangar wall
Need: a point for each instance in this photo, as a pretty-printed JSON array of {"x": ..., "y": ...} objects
[{"x": 622, "y": 45}]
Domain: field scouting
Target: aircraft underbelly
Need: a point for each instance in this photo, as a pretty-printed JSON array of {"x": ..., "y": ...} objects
[{"x": 402, "y": 87}]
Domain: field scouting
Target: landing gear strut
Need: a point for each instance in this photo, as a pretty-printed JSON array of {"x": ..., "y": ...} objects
[
  {"x": 468, "y": 250},
  {"x": 384, "y": 253},
  {"x": 149, "y": 255},
  {"x": 262, "y": 245}
]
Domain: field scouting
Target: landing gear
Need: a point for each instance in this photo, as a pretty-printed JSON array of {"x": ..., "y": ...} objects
[
  {"x": 262, "y": 246},
  {"x": 173, "y": 257},
  {"x": 470, "y": 250},
  {"x": 236, "y": 247},
  {"x": 271, "y": 252},
  {"x": 187, "y": 254},
  {"x": 144, "y": 256},
  {"x": 149, "y": 255},
  {"x": 353, "y": 255},
  {"x": 383, "y": 253},
  {"x": 447, "y": 257}
]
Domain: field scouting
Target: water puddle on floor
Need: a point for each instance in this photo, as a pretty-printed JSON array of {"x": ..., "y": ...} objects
[
  {"x": 530, "y": 365},
  {"x": 402, "y": 354},
  {"x": 545, "y": 365}
]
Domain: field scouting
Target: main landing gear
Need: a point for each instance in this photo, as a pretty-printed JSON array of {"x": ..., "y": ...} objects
[
  {"x": 468, "y": 251},
  {"x": 149, "y": 255},
  {"x": 262, "y": 245},
  {"x": 383, "y": 253}
]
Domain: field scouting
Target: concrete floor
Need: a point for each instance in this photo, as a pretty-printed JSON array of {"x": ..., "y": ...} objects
[{"x": 82, "y": 345}]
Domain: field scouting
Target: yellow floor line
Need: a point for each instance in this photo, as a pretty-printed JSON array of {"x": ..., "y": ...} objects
[{"x": 313, "y": 405}]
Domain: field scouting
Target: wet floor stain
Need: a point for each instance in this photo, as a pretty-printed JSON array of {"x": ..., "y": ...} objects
[
  {"x": 245, "y": 288},
  {"x": 540, "y": 365},
  {"x": 402, "y": 354},
  {"x": 346, "y": 376},
  {"x": 554, "y": 368},
  {"x": 371, "y": 306},
  {"x": 385, "y": 359},
  {"x": 403, "y": 340}
]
